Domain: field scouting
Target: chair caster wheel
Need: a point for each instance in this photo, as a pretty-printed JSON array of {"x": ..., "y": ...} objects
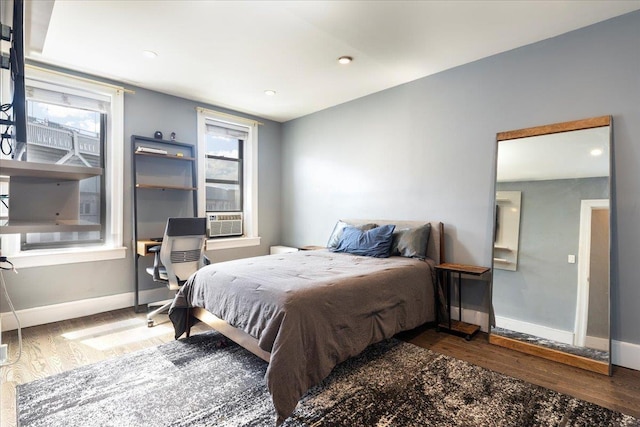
[{"x": 149, "y": 323}]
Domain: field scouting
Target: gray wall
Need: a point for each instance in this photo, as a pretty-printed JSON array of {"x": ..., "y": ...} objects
[
  {"x": 145, "y": 112},
  {"x": 426, "y": 149},
  {"x": 544, "y": 288}
]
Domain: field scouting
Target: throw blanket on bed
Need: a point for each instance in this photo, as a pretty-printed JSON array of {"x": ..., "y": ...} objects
[{"x": 311, "y": 309}]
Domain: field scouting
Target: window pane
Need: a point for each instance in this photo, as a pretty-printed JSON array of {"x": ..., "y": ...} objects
[
  {"x": 227, "y": 170},
  {"x": 63, "y": 135},
  {"x": 57, "y": 239},
  {"x": 90, "y": 200},
  {"x": 223, "y": 197},
  {"x": 222, "y": 146}
]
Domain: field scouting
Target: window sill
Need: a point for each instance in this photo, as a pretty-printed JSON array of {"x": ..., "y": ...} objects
[
  {"x": 45, "y": 257},
  {"x": 232, "y": 242}
]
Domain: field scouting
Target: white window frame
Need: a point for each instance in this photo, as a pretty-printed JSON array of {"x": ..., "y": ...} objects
[
  {"x": 250, "y": 235},
  {"x": 113, "y": 247}
]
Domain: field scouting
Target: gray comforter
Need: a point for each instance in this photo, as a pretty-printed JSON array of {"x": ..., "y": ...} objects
[{"x": 311, "y": 309}]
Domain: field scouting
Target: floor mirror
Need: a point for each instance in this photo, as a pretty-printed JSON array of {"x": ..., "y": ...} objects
[{"x": 551, "y": 256}]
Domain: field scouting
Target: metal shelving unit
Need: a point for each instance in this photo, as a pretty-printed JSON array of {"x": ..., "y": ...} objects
[{"x": 164, "y": 185}]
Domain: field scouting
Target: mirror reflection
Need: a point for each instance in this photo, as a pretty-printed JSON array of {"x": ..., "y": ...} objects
[{"x": 551, "y": 248}]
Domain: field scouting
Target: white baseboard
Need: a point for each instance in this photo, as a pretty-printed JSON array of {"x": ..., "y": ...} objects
[
  {"x": 71, "y": 310},
  {"x": 625, "y": 354},
  {"x": 596, "y": 343},
  {"x": 545, "y": 332}
]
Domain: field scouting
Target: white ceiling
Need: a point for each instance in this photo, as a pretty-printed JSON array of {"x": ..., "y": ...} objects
[{"x": 227, "y": 53}]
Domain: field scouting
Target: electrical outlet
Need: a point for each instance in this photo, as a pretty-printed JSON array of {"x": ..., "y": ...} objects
[{"x": 4, "y": 348}]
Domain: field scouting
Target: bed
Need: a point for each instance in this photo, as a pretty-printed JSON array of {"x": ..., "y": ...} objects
[{"x": 305, "y": 312}]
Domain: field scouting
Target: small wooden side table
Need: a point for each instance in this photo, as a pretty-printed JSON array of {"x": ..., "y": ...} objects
[{"x": 457, "y": 327}]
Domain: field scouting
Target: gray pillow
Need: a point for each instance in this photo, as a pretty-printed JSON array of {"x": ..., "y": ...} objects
[
  {"x": 336, "y": 234},
  {"x": 411, "y": 242}
]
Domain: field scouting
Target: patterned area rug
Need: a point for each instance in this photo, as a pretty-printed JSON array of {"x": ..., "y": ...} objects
[{"x": 207, "y": 381}]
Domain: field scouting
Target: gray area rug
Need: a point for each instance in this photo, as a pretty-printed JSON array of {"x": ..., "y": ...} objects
[{"x": 206, "y": 380}]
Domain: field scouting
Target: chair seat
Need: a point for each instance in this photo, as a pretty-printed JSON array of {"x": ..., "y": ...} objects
[{"x": 162, "y": 272}]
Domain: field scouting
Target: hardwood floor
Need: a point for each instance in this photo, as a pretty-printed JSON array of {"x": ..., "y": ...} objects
[
  {"x": 60, "y": 346},
  {"x": 620, "y": 392}
]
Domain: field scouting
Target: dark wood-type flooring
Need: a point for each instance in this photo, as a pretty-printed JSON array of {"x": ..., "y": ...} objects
[{"x": 61, "y": 346}]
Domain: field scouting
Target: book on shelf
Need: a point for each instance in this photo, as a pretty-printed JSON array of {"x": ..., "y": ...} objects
[{"x": 150, "y": 150}]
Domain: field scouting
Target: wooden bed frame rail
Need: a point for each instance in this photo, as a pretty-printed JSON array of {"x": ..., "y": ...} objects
[{"x": 234, "y": 334}]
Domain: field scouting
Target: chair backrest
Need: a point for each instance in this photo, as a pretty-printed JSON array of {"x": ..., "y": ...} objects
[{"x": 182, "y": 248}]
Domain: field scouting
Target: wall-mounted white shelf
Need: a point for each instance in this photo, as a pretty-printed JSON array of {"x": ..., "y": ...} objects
[
  {"x": 505, "y": 247},
  {"x": 44, "y": 197},
  {"x": 9, "y": 226},
  {"x": 46, "y": 170}
]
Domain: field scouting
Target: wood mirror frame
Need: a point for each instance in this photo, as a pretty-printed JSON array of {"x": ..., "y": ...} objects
[{"x": 553, "y": 353}]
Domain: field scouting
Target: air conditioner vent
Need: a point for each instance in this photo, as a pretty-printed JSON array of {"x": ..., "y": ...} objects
[{"x": 224, "y": 224}]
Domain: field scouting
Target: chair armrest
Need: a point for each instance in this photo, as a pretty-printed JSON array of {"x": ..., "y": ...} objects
[{"x": 156, "y": 262}]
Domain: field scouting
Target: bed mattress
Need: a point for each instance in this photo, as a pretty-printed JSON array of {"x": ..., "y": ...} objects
[{"x": 311, "y": 309}]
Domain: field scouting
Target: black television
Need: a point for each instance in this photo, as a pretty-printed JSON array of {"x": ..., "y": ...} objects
[{"x": 17, "y": 70}]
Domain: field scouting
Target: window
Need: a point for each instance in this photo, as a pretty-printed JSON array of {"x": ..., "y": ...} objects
[
  {"x": 223, "y": 176},
  {"x": 228, "y": 172},
  {"x": 74, "y": 121}
]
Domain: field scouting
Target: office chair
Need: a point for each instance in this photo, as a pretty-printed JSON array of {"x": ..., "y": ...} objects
[{"x": 179, "y": 256}]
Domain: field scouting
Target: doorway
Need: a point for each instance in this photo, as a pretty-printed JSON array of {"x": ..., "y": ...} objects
[{"x": 592, "y": 315}]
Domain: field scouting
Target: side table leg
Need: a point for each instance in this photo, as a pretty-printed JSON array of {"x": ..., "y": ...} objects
[
  {"x": 448, "y": 284},
  {"x": 460, "y": 297}
]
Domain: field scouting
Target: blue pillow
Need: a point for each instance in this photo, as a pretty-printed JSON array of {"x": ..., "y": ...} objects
[
  {"x": 375, "y": 242},
  {"x": 336, "y": 234}
]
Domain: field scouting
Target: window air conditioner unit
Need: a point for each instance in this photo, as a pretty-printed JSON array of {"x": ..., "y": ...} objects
[{"x": 224, "y": 224}]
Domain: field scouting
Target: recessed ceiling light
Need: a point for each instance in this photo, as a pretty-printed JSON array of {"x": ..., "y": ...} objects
[
  {"x": 345, "y": 59},
  {"x": 596, "y": 152},
  {"x": 149, "y": 54},
  {"x": 269, "y": 92}
]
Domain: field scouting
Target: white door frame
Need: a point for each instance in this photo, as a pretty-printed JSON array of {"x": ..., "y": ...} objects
[{"x": 584, "y": 254}]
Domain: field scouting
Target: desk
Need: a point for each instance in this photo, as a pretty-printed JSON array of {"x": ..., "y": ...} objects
[
  {"x": 142, "y": 246},
  {"x": 142, "y": 249},
  {"x": 457, "y": 327}
]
